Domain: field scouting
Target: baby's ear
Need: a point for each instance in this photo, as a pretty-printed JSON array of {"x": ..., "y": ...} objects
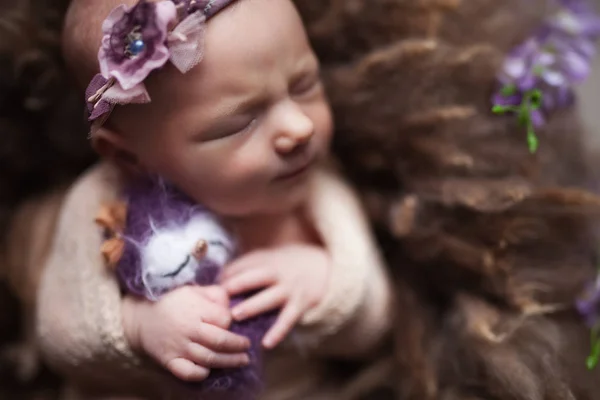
[{"x": 113, "y": 146}]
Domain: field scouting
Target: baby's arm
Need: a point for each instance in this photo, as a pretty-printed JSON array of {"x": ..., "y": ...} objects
[
  {"x": 355, "y": 314},
  {"x": 79, "y": 325},
  {"x": 91, "y": 334},
  {"x": 338, "y": 296}
]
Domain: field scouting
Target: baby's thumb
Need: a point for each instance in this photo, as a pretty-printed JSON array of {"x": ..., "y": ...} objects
[{"x": 217, "y": 295}]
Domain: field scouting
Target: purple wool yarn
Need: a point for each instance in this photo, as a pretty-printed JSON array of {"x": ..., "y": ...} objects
[{"x": 154, "y": 209}]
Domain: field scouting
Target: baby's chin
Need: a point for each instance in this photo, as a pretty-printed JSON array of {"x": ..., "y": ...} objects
[
  {"x": 278, "y": 202},
  {"x": 290, "y": 195}
]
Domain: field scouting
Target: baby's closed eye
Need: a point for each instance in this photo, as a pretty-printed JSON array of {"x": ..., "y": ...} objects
[
  {"x": 228, "y": 127},
  {"x": 306, "y": 83}
]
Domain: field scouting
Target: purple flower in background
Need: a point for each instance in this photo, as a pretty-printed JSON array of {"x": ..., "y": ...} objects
[
  {"x": 134, "y": 42},
  {"x": 588, "y": 304},
  {"x": 517, "y": 67},
  {"x": 556, "y": 57},
  {"x": 576, "y": 18},
  {"x": 537, "y": 78}
]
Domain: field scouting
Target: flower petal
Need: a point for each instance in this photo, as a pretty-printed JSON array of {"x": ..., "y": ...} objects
[
  {"x": 537, "y": 118},
  {"x": 115, "y": 15},
  {"x": 553, "y": 78},
  {"x": 186, "y": 42},
  {"x": 576, "y": 66},
  {"x": 501, "y": 100},
  {"x": 98, "y": 107},
  {"x": 118, "y": 95},
  {"x": 515, "y": 67}
]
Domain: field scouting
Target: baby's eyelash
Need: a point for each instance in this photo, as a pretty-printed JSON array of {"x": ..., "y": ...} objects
[
  {"x": 305, "y": 84},
  {"x": 247, "y": 127}
]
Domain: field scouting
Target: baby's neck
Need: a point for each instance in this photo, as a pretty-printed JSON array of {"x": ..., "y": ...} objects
[{"x": 265, "y": 231}]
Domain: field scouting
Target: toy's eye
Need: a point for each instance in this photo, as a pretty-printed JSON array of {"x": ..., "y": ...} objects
[{"x": 179, "y": 269}]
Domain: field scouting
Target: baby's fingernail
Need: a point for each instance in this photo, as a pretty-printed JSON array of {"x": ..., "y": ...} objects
[
  {"x": 246, "y": 360},
  {"x": 228, "y": 288},
  {"x": 267, "y": 343},
  {"x": 237, "y": 313}
]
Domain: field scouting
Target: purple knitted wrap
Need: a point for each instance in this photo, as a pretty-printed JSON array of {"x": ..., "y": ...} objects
[{"x": 152, "y": 200}]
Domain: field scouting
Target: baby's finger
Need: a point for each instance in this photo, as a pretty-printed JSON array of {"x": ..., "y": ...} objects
[
  {"x": 214, "y": 314},
  {"x": 187, "y": 370},
  {"x": 249, "y": 280},
  {"x": 217, "y": 295},
  {"x": 266, "y": 300},
  {"x": 210, "y": 359},
  {"x": 284, "y": 324},
  {"x": 221, "y": 340}
]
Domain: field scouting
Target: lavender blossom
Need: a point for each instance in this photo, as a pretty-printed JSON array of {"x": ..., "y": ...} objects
[
  {"x": 588, "y": 304},
  {"x": 555, "y": 58}
]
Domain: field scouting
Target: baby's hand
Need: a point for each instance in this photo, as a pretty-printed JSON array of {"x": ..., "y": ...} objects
[
  {"x": 186, "y": 331},
  {"x": 294, "y": 278}
]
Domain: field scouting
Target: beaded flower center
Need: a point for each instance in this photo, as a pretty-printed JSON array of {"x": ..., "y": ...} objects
[{"x": 135, "y": 43}]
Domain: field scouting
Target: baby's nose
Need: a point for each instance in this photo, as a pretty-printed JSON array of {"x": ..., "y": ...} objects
[
  {"x": 295, "y": 132},
  {"x": 286, "y": 145}
]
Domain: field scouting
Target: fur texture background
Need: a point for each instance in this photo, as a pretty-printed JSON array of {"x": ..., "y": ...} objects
[
  {"x": 488, "y": 245},
  {"x": 42, "y": 125},
  {"x": 43, "y": 146}
]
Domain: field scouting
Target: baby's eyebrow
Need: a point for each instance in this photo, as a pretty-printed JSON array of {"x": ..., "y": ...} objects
[
  {"x": 308, "y": 63},
  {"x": 245, "y": 105}
]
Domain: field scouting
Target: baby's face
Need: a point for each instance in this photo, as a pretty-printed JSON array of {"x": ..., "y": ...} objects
[{"x": 241, "y": 132}]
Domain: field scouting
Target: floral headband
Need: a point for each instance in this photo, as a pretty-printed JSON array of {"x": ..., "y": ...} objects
[{"x": 141, "y": 39}]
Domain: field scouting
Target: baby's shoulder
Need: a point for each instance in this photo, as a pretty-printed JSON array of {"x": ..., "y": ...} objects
[
  {"x": 331, "y": 190},
  {"x": 101, "y": 182},
  {"x": 98, "y": 186}
]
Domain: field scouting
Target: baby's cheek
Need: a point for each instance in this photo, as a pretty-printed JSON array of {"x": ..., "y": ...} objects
[
  {"x": 324, "y": 123},
  {"x": 250, "y": 169}
]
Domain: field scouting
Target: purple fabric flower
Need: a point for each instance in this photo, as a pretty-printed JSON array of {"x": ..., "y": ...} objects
[
  {"x": 97, "y": 107},
  {"x": 134, "y": 42},
  {"x": 186, "y": 42},
  {"x": 141, "y": 39},
  {"x": 207, "y": 7}
]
